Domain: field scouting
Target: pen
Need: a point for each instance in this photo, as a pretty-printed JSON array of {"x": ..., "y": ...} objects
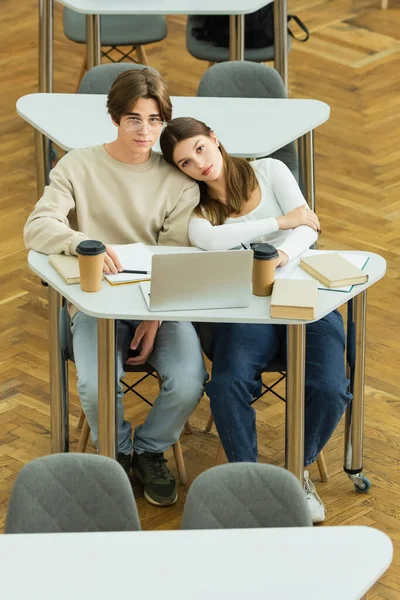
[{"x": 138, "y": 272}]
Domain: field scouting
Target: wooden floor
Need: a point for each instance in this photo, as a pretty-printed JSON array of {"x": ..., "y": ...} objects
[{"x": 352, "y": 62}]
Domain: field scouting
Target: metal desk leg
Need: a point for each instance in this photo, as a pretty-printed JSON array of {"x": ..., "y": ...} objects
[
  {"x": 58, "y": 404},
  {"x": 107, "y": 388},
  {"x": 41, "y": 145},
  {"x": 45, "y": 45},
  {"x": 93, "y": 43},
  {"x": 45, "y": 74},
  {"x": 296, "y": 351},
  {"x": 353, "y": 450},
  {"x": 306, "y": 160},
  {"x": 281, "y": 40},
  {"x": 236, "y": 37}
]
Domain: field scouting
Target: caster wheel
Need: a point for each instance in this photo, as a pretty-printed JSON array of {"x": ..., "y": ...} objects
[{"x": 362, "y": 484}]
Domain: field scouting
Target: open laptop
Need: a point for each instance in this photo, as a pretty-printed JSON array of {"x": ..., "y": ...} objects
[{"x": 199, "y": 280}]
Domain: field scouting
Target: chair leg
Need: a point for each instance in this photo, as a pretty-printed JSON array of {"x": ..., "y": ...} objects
[
  {"x": 142, "y": 56},
  {"x": 177, "y": 448},
  {"x": 188, "y": 428},
  {"x": 180, "y": 463},
  {"x": 81, "y": 421},
  {"x": 322, "y": 466},
  {"x": 83, "y": 440},
  {"x": 82, "y": 71},
  {"x": 209, "y": 424}
]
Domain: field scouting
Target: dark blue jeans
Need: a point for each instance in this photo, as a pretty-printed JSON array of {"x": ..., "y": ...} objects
[{"x": 240, "y": 352}]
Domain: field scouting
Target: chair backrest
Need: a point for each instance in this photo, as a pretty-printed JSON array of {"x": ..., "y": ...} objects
[
  {"x": 71, "y": 492},
  {"x": 99, "y": 80},
  {"x": 244, "y": 79},
  {"x": 245, "y": 495}
]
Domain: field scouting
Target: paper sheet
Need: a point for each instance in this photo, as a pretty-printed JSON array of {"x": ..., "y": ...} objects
[{"x": 133, "y": 257}]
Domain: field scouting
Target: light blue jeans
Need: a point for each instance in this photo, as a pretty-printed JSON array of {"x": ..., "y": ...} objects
[{"x": 176, "y": 357}]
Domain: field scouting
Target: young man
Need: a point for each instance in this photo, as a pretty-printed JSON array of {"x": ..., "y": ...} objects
[{"x": 121, "y": 193}]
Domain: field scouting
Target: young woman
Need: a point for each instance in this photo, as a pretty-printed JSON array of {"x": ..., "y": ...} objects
[{"x": 243, "y": 202}]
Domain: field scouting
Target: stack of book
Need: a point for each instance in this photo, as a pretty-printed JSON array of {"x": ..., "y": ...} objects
[{"x": 296, "y": 296}]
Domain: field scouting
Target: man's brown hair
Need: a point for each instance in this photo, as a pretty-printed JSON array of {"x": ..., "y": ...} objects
[{"x": 134, "y": 84}]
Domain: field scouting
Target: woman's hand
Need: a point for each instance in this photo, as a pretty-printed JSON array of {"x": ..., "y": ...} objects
[
  {"x": 112, "y": 264},
  {"x": 283, "y": 259},
  {"x": 301, "y": 215}
]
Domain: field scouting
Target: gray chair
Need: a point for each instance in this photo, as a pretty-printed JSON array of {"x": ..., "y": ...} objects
[
  {"x": 71, "y": 492},
  {"x": 99, "y": 80},
  {"x": 245, "y": 495},
  {"x": 242, "y": 79},
  {"x": 206, "y": 50},
  {"x": 134, "y": 31}
]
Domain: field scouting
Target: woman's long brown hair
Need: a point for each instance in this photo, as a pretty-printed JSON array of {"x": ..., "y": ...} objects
[{"x": 239, "y": 175}]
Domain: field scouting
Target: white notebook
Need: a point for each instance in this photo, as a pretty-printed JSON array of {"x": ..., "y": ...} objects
[
  {"x": 132, "y": 257},
  {"x": 293, "y": 270}
]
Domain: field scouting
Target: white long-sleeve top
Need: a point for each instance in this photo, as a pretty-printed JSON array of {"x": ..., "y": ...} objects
[{"x": 280, "y": 194}]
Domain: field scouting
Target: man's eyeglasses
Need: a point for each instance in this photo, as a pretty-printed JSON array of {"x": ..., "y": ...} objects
[{"x": 133, "y": 124}]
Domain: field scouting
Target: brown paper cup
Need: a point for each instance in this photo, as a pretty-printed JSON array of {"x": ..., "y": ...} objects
[
  {"x": 265, "y": 260},
  {"x": 263, "y": 276},
  {"x": 91, "y": 272},
  {"x": 91, "y": 260}
]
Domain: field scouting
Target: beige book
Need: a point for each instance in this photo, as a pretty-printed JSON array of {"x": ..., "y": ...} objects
[
  {"x": 294, "y": 299},
  {"x": 66, "y": 266},
  {"x": 333, "y": 270}
]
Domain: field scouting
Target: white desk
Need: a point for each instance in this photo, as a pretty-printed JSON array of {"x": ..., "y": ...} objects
[
  {"x": 161, "y": 7},
  {"x": 126, "y": 302},
  {"x": 248, "y": 127},
  {"x": 320, "y": 563},
  {"x": 94, "y": 8}
]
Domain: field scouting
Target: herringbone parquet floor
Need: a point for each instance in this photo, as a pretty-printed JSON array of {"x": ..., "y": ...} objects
[{"x": 352, "y": 62}]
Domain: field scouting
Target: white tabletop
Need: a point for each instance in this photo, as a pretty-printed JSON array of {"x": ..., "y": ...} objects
[
  {"x": 164, "y": 7},
  {"x": 126, "y": 301},
  {"x": 248, "y": 127},
  {"x": 324, "y": 563}
]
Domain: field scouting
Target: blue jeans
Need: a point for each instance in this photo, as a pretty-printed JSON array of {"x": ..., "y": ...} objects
[
  {"x": 176, "y": 357},
  {"x": 240, "y": 354}
]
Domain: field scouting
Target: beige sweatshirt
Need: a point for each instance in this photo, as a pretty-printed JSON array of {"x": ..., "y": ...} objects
[{"x": 92, "y": 195}]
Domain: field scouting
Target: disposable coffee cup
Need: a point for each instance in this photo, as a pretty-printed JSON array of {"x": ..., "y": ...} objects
[
  {"x": 265, "y": 260},
  {"x": 91, "y": 260}
]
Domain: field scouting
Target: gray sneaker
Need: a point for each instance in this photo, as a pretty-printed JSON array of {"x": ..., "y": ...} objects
[{"x": 159, "y": 484}]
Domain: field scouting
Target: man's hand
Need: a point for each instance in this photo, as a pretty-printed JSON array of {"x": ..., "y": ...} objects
[
  {"x": 145, "y": 335},
  {"x": 112, "y": 263}
]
